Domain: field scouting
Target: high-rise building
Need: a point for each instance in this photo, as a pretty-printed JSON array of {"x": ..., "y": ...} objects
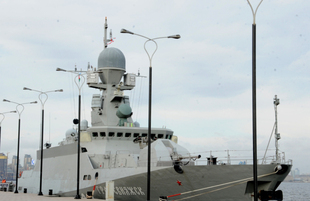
[
  {"x": 27, "y": 162},
  {"x": 3, "y": 166},
  {"x": 14, "y": 164}
]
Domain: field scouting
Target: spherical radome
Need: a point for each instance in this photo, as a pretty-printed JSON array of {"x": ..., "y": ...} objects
[
  {"x": 111, "y": 57},
  {"x": 71, "y": 133}
]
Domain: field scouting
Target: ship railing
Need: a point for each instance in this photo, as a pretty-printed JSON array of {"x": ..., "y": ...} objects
[
  {"x": 4, "y": 186},
  {"x": 237, "y": 157}
]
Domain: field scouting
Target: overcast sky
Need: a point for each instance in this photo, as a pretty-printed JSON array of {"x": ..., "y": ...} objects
[{"x": 202, "y": 83}]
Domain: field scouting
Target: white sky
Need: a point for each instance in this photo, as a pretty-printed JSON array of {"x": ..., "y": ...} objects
[{"x": 201, "y": 83}]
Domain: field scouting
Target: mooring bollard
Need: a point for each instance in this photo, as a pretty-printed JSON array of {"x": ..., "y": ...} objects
[{"x": 89, "y": 195}]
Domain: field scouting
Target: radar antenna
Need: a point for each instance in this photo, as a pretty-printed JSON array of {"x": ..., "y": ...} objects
[
  {"x": 276, "y": 102},
  {"x": 105, "y": 40}
]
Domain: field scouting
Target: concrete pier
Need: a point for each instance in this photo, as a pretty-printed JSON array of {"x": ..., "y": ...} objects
[{"x": 11, "y": 196}]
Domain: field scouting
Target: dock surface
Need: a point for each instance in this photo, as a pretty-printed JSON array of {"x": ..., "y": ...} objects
[{"x": 11, "y": 196}]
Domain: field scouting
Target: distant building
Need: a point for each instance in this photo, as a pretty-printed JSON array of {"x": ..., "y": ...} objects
[
  {"x": 297, "y": 172},
  {"x": 28, "y": 162},
  {"x": 10, "y": 174},
  {"x": 8, "y": 171},
  {"x": 3, "y": 166},
  {"x": 14, "y": 165}
]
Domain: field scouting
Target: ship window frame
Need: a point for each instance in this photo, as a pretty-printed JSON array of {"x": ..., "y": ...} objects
[
  {"x": 102, "y": 134},
  {"x": 160, "y": 135},
  {"x": 144, "y": 135},
  {"x": 119, "y": 134},
  {"x": 95, "y": 134},
  {"x": 85, "y": 177},
  {"x": 111, "y": 134},
  {"x": 136, "y": 135},
  {"x": 102, "y": 103},
  {"x": 83, "y": 149},
  {"x": 127, "y": 134}
]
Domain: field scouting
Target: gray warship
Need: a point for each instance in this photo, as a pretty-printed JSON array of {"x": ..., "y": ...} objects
[{"x": 114, "y": 148}]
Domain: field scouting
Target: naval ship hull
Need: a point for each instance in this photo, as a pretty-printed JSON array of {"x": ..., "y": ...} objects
[
  {"x": 201, "y": 182},
  {"x": 221, "y": 183}
]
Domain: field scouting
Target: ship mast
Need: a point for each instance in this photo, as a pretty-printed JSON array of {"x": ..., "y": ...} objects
[
  {"x": 276, "y": 102},
  {"x": 105, "y": 40}
]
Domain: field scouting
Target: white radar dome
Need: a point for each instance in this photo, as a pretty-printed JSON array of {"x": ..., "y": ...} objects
[
  {"x": 71, "y": 133},
  {"x": 111, "y": 57}
]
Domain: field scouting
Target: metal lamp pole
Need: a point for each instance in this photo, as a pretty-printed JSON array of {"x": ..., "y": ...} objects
[
  {"x": 254, "y": 100},
  {"x": 150, "y": 101},
  {"x": 3, "y": 116},
  {"x": 79, "y": 84},
  {"x": 43, "y": 98},
  {"x": 19, "y": 108}
]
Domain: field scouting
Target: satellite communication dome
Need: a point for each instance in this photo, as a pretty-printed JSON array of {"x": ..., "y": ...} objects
[
  {"x": 84, "y": 125},
  {"x": 124, "y": 111},
  {"x": 137, "y": 124},
  {"x": 111, "y": 57},
  {"x": 71, "y": 133}
]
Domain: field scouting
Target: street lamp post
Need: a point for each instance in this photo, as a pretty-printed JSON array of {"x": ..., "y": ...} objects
[
  {"x": 79, "y": 84},
  {"x": 254, "y": 100},
  {"x": 3, "y": 116},
  {"x": 150, "y": 101},
  {"x": 19, "y": 108},
  {"x": 43, "y": 98}
]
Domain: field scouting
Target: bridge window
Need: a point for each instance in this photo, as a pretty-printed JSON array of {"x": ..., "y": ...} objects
[
  {"x": 83, "y": 149},
  {"x": 95, "y": 134},
  {"x": 102, "y": 134},
  {"x": 86, "y": 177},
  {"x": 127, "y": 134},
  {"x": 119, "y": 134},
  {"x": 111, "y": 134}
]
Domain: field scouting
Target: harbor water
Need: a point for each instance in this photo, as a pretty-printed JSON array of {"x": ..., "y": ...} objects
[{"x": 295, "y": 191}]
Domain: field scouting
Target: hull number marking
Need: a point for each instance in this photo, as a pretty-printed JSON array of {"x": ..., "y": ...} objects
[{"x": 122, "y": 190}]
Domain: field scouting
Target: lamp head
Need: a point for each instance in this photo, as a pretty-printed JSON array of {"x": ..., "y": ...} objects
[
  {"x": 177, "y": 36},
  {"x": 25, "y": 88},
  {"x": 5, "y": 100},
  {"x": 59, "y": 90},
  {"x": 126, "y": 31},
  {"x": 60, "y": 69}
]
